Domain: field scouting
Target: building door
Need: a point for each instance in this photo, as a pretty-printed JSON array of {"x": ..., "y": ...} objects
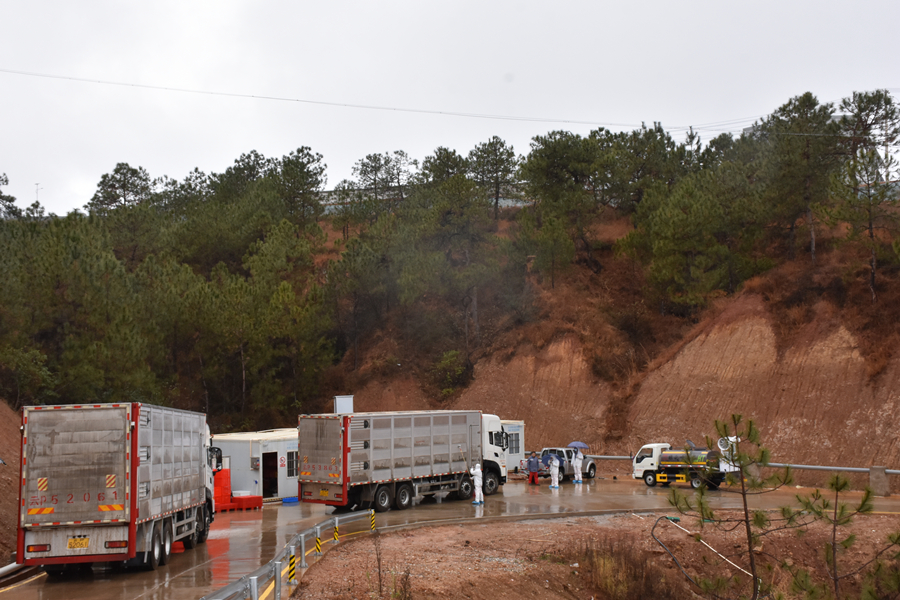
[{"x": 270, "y": 474}]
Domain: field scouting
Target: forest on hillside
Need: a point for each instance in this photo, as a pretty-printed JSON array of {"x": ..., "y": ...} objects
[{"x": 234, "y": 293}]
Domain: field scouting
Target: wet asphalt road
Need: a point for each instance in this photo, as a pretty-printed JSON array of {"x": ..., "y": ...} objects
[{"x": 240, "y": 542}]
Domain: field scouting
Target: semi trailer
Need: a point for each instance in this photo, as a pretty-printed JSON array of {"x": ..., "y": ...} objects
[
  {"x": 112, "y": 483},
  {"x": 384, "y": 459}
]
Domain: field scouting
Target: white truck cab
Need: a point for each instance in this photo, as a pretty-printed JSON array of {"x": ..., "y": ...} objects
[
  {"x": 647, "y": 461},
  {"x": 494, "y": 443}
]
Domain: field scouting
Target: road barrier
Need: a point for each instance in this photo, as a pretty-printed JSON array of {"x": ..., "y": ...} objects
[
  {"x": 268, "y": 578},
  {"x": 877, "y": 475}
]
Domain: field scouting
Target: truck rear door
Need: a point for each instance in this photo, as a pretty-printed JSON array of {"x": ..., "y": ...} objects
[
  {"x": 75, "y": 472},
  {"x": 320, "y": 450}
]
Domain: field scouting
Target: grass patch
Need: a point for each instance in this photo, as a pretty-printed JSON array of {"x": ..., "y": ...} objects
[{"x": 619, "y": 570}]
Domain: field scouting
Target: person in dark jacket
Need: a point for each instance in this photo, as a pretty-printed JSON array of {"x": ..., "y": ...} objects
[{"x": 534, "y": 467}]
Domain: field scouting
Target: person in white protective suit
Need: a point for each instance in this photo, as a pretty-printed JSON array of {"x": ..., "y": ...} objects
[
  {"x": 477, "y": 481},
  {"x": 576, "y": 465},
  {"x": 554, "y": 472}
]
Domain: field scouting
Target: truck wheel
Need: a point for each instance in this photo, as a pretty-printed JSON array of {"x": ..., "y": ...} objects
[
  {"x": 466, "y": 488},
  {"x": 206, "y": 518},
  {"x": 404, "y": 498},
  {"x": 166, "y": 544},
  {"x": 562, "y": 474},
  {"x": 491, "y": 483},
  {"x": 696, "y": 482},
  {"x": 591, "y": 472},
  {"x": 151, "y": 558},
  {"x": 383, "y": 499},
  {"x": 650, "y": 479}
]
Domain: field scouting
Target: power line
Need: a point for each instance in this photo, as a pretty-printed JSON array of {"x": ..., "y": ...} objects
[
  {"x": 710, "y": 127},
  {"x": 319, "y": 102}
]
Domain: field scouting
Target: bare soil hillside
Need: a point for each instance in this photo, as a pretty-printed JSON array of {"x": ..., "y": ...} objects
[
  {"x": 9, "y": 475},
  {"x": 814, "y": 401},
  {"x": 802, "y": 349}
]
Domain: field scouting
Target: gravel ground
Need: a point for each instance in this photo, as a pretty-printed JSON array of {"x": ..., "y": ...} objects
[{"x": 538, "y": 558}]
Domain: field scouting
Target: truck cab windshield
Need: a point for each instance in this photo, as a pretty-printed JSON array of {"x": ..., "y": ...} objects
[{"x": 644, "y": 453}]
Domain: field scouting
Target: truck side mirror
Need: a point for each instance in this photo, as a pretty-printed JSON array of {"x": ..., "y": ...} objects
[{"x": 214, "y": 458}]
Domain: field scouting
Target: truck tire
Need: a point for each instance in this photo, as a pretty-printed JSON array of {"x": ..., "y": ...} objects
[
  {"x": 404, "y": 496},
  {"x": 562, "y": 474},
  {"x": 696, "y": 482},
  {"x": 166, "y": 538},
  {"x": 466, "y": 489},
  {"x": 151, "y": 558},
  {"x": 206, "y": 518},
  {"x": 491, "y": 483},
  {"x": 383, "y": 499},
  {"x": 650, "y": 478},
  {"x": 591, "y": 472}
]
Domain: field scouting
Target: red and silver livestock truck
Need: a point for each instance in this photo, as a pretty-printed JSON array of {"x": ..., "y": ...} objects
[
  {"x": 383, "y": 459},
  {"x": 111, "y": 483}
]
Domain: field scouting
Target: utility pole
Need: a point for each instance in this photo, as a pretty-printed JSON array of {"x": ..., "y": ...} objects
[{"x": 36, "y": 190}]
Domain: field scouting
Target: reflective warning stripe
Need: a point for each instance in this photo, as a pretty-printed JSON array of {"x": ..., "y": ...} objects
[
  {"x": 40, "y": 511},
  {"x": 42, "y": 484},
  {"x": 108, "y": 507},
  {"x": 111, "y": 481}
]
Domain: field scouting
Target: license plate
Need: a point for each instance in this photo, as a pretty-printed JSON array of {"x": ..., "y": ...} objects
[
  {"x": 323, "y": 493},
  {"x": 78, "y": 543}
]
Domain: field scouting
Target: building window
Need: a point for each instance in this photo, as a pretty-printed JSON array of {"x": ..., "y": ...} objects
[
  {"x": 514, "y": 443},
  {"x": 292, "y": 464}
]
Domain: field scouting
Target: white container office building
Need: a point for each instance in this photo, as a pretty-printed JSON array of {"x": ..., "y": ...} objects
[
  {"x": 515, "y": 454},
  {"x": 262, "y": 463}
]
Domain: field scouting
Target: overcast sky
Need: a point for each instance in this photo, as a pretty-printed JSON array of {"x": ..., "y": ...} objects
[{"x": 573, "y": 65}]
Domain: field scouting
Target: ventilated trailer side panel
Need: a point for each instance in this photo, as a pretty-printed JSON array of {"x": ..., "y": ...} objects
[
  {"x": 169, "y": 449},
  {"x": 402, "y": 446}
]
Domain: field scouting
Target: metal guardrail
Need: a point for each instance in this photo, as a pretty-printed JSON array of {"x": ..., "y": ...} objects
[
  {"x": 823, "y": 468},
  {"x": 781, "y": 466},
  {"x": 255, "y": 585}
]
